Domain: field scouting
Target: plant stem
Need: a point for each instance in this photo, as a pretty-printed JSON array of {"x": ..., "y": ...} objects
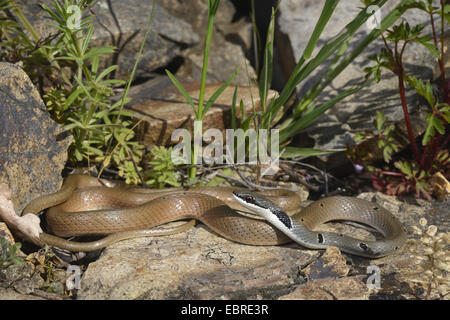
[
  {"x": 435, "y": 40},
  {"x": 441, "y": 61},
  {"x": 401, "y": 85},
  {"x": 205, "y": 68},
  {"x": 412, "y": 141},
  {"x": 201, "y": 98},
  {"x": 26, "y": 23}
]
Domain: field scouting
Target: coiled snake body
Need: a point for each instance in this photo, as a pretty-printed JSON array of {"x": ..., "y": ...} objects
[{"x": 84, "y": 206}]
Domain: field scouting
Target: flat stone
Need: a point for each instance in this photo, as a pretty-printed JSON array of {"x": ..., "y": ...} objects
[
  {"x": 331, "y": 264},
  {"x": 33, "y": 151},
  {"x": 199, "y": 264},
  {"x": 164, "y": 109},
  {"x": 11, "y": 294},
  {"x": 348, "y": 288},
  {"x": 196, "y": 264}
]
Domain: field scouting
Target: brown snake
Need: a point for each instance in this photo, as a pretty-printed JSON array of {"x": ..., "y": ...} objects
[{"x": 84, "y": 206}]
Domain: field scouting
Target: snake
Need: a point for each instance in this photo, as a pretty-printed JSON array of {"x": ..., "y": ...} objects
[{"x": 87, "y": 206}]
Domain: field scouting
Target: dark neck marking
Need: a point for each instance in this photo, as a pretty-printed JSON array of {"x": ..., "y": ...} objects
[{"x": 282, "y": 216}]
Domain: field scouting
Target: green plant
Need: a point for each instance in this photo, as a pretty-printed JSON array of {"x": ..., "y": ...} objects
[
  {"x": 306, "y": 110},
  {"x": 89, "y": 114},
  {"x": 46, "y": 263},
  {"x": 383, "y": 137},
  {"x": 9, "y": 253},
  {"x": 433, "y": 155},
  {"x": 162, "y": 170},
  {"x": 292, "y": 118},
  {"x": 76, "y": 90},
  {"x": 201, "y": 108}
]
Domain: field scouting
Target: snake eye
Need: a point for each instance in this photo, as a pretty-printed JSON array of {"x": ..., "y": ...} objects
[{"x": 250, "y": 198}]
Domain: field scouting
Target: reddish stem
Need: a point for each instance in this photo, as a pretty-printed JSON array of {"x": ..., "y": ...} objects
[
  {"x": 398, "y": 65},
  {"x": 412, "y": 140},
  {"x": 441, "y": 60},
  {"x": 390, "y": 173}
]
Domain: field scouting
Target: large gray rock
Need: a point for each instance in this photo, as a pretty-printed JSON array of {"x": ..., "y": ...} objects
[
  {"x": 123, "y": 24},
  {"x": 193, "y": 265},
  {"x": 296, "y": 22},
  {"x": 230, "y": 43},
  {"x": 198, "y": 264},
  {"x": 33, "y": 151}
]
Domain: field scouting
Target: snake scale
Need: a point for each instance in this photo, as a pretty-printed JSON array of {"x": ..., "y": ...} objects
[{"x": 85, "y": 206}]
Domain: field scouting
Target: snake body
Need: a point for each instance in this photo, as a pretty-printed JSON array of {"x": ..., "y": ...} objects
[{"x": 84, "y": 206}]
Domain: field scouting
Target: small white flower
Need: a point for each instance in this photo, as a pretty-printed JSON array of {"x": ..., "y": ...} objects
[
  {"x": 423, "y": 222},
  {"x": 432, "y": 230}
]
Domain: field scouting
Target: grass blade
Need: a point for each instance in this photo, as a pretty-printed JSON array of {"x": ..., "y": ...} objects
[
  {"x": 183, "y": 91},
  {"x": 293, "y": 152},
  {"x": 219, "y": 91},
  {"x": 312, "y": 115}
]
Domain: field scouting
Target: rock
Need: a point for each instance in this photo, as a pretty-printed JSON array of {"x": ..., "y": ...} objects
[
  {"x": 348, "y": 288},
  {"x": 224, "y": 60},
  {"x": 123, "y": 24},
  {"x": 201, "y": 265},
  {"x": 11, "y": 294},
  {"x": 33, "y": 151},
  {"x": 193, "y": 265},
  {"x": 295, "y": 24},
  {"x": 420, "y": 269},
  {"x": 331, "y": 264},
  {"x": 22, "y": 278},
  {"x": 24, "y": 282},
  {"x": 196, "y": 13},
  {"x": 230, "y": 43},
  {"x": 20, "y": 275},
  {"x": 5, "y": 233},
  {"x": 164, "y": 109}
]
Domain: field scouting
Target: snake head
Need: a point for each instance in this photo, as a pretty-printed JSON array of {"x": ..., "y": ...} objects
[{"x": 261, "y": 206}]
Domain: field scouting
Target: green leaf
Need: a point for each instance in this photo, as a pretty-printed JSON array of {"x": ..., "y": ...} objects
[
  {"x": 433, "y": 123},
  {"x": 431, "y": 47},
  {"x": 265, "y": 77},
  {"x": 380, "y": 120},
  {"x": 105, "y": 72},
  {"x": 325, "y": 16},
  {"x": 183, "y": 91},
  {"x": 233, "y": 108},
  {"x": 87, "y": 39},
  {"x": 405, "y": 168},
  {"x": 425, "y": 90},
  {"x": 74, "y": 95},
  {"x": 331, "y": 47},
  {"x": 312, "y": 115},
  {"x": 294, "y": 152},
  {"x": 98, "y": 51}
]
